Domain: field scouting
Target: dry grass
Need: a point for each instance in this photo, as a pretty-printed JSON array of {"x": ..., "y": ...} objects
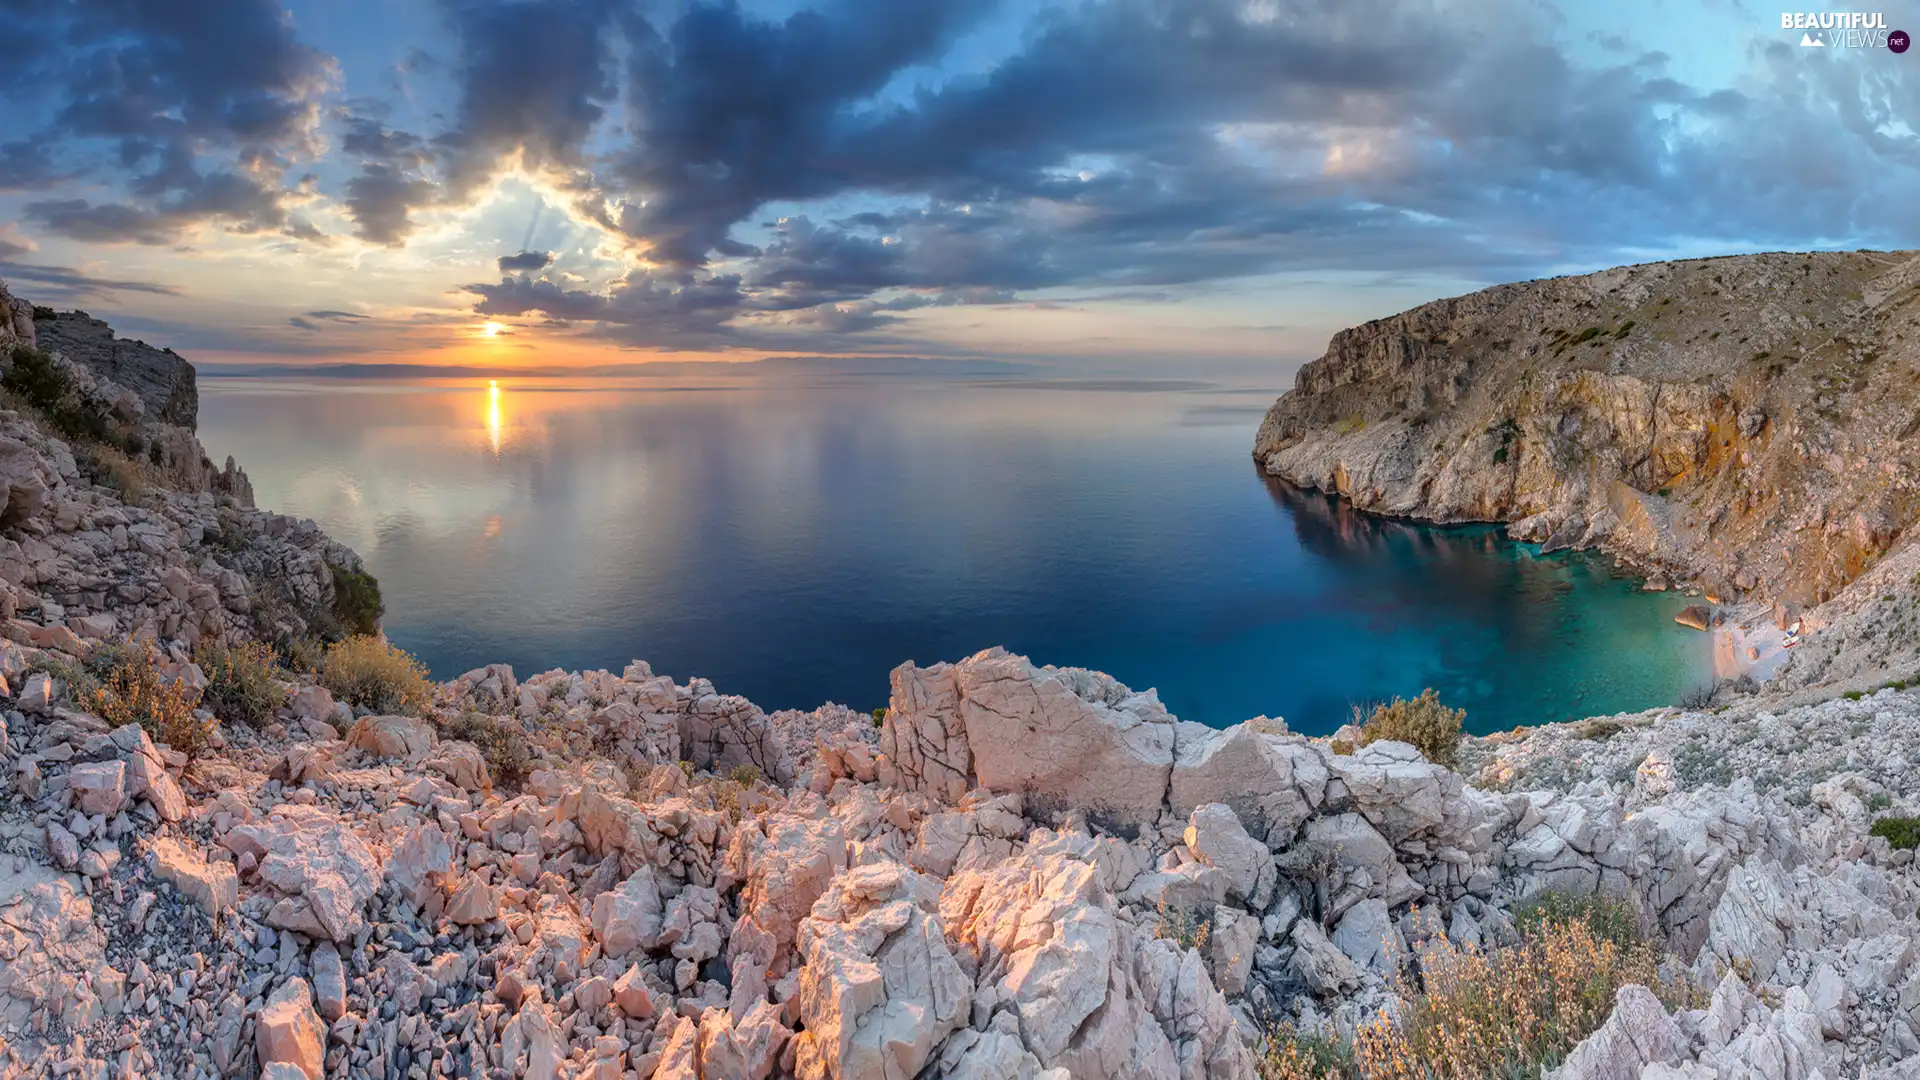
[
  {"x": 372, "y": 674},
  {"x": 1493, "y": 1014},
  {"x": 1185, "y": 927},
  {"x": 128, "y": 688},
  {"x": 1423, "y": 722}
]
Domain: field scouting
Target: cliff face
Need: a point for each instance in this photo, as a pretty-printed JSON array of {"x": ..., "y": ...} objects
[
  {"x": 163, "y": 380},
  {"x": 1749, "y": 422}
]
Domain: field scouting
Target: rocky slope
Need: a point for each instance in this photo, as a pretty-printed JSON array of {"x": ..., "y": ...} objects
[
  {"x": 1005, "y": 878},
  {"x": 1750, "y": 424}
]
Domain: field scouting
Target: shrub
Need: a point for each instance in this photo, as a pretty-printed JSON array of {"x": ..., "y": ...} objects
[
  {"x": 1901, "y": 832},
  {"x": 1606, "y": 917},
  {"x": 880, "y": 717},
  {"x": 240, "y": 682},
  {"x": 1285, "y": 1053},
  {"x": 745, "y": 775},
  {"x": 1598, "y": 729},
  {"x": 1854, "y": 695},
  {"x": 501, "y": 743},
  {"x": 1696, "y": 698},
  {"x": 1184, "y": 927},
  {"x": 356, "y": 599},
  {"x": 156, "y": 454},
  {"x": 1879, "y": 801},
  {"x": 47, "y": 388},
  {"x": 109, "y": 468},
  {"x": 1422, "y": 722},
  {"x": 372, "y": 674},
  {"x": 1514, "y": 1011},
  {"x": 128, "y": 688}
]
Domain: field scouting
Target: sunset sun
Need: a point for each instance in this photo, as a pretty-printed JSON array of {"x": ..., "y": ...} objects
[{"x": 491, "y": 329}]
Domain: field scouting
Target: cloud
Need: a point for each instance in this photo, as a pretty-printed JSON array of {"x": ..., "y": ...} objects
[
  {"x": 299, "y": 323},
  {"x": 205, "y": 103},
  {"x": 338, "y": 316},
  {"x": 68, "y": 282},
  {"x": 525, "y": 261}
]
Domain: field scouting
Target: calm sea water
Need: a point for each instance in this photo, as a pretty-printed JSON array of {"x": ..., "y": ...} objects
[{"x": 793, "y": 541}]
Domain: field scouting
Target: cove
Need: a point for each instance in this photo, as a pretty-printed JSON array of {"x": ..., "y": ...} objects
[{"x": 795, "y": 539}]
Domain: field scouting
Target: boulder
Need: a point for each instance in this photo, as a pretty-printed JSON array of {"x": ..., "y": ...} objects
[
  {"x": 323, "y": 868},
  {"x": 631, "y": 916},
  {"x": 212, "y": 885},
  {"x": 1215, "y": 837},
  {"x": 1273, "y": 782},
  {"x": 392, "y": 736},
  {"x": 1063, "y": 737},
  {"x": 289, "y": 1032},
  {"x": 1638, "y": 1034},
  {"x": 99, "y": 787},
  {"x": 880, "y": 988}
]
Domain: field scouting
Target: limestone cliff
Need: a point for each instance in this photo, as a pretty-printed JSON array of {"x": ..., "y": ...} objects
[
  {"x": 163, "y": 380},
  {"x": 1748, "y": 423}
]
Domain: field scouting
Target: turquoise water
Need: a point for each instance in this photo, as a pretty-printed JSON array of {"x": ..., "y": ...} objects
[{"x": 793, "y": 541}]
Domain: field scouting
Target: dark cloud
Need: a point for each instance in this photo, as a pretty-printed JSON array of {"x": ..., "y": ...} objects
[
  {"x": 337, "y": 316},
  {"x": 534, "y": 78},
  {"x": 206, "y": 103},
  {"x": 525, "y": 262},
  {"x": 381, "y": 200},
  {"x": 299, "y": 323},
  {"x": 70, "y": 283}
]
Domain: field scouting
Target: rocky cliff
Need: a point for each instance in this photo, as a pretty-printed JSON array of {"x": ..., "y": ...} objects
[
  {"x": 162, "y": 379},
  {"x": 1017, "y": 872},
  {"x": 1749, "y": 424},
  {"x": 1750, "y": 421}
]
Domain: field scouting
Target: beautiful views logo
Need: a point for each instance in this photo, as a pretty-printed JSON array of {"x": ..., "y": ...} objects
[{"x": 1844, "y": 30}]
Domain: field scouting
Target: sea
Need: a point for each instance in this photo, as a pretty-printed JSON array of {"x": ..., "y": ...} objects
[{"x": 793, "y": 537}]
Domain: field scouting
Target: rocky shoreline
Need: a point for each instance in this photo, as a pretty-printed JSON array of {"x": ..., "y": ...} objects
[{"x": 1015, "y": 871}]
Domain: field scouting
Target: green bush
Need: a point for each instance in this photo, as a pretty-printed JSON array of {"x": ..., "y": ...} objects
[
  {"x": 356, "y": 599},
  {"x": 1901, "y": 832},
  {"x": 1187, "y": 928},
  {"x": 1606, "y": 917},
  {"x": 240, "y": 682},
  {"x": 1854, "y": 695},
  {"x": 501, "y": 742},
  {"x": 1423, "y": 722},
  {"x": 43, "y": 385},
  {"x": 372, "y": 674}
]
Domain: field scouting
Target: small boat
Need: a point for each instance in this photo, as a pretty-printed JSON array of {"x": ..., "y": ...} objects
[{"x": 1793, "y": 636}]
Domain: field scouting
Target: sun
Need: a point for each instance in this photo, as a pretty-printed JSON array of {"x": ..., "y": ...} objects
[{"x": 491, "y": 329}]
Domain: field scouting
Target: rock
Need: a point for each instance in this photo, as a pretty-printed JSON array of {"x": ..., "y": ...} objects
[
  {"x": 288, "y": 1031},
  {"x": 475, "y": 902},
  {"x": 62, "y": 846},
  {"x": 329, "y": 982},
  {"x": 1272, "y": 782},
  {"x": 461, "y": 763},
  {"x": 1216, "y": 838},
  {"x": 392, "y": 736},
  {"x": 631, "y": 916},
  {"x": 634, "y": 997},
  {"x": 1638, "y": 1034},
  {"x": 1368, "y": 936},
  {"x": 1230, "y": 947},
  {"x": 99, "y": 787},
  {"x": 212, "y": 885},
  {"x": 36, "y": 693},
  {"x": 1697, "y": 616},
  {"x": 1320, "y": 964},
  {"x": 323, "y": 867},
  {"x": 312, "y": 705},
  {"x": 791, "y": 861},
  {"x": 1063, "y": 737},
  {"x": 881, "y": 987}
]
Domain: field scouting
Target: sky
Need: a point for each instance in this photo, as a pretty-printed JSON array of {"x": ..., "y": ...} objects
[{"x": 1101, "y": 184}]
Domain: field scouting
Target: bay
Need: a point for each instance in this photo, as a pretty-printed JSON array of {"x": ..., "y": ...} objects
[{"x": 794, "y": 538}]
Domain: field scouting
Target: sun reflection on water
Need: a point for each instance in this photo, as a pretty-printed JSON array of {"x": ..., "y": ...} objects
[{"x": 493, "y": 414}]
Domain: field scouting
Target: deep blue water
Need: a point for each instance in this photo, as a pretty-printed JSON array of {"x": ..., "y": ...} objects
[{"x": 795, "y": 541}]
